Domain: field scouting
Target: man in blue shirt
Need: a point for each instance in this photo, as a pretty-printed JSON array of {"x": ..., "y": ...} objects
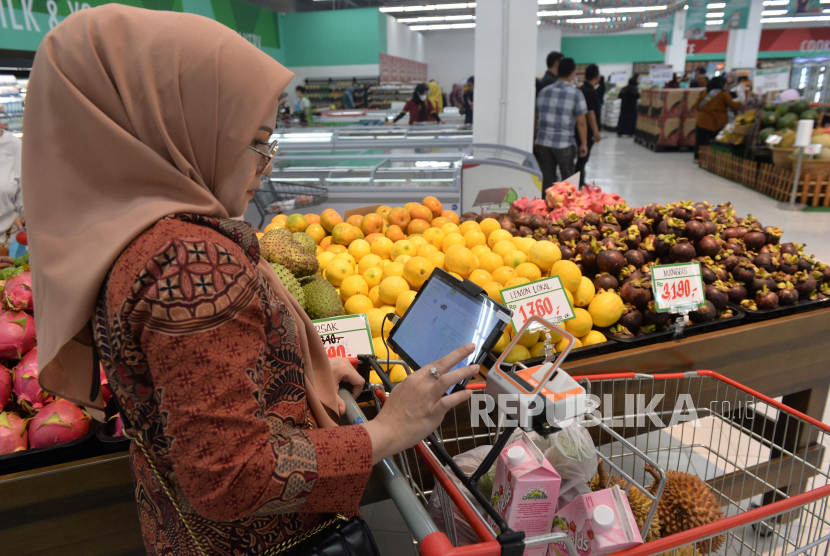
[{"x": 560, "y": 110}]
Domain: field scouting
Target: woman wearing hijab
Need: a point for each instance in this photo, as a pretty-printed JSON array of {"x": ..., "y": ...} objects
[
  {"x": 457, "y": 96},
  {"x": 713, "y": 112},
  {"x": 628, "y": 108},
  {"x": 215, "y": 367},
  {"x": 436, "y": 97},
  {"x": 348, "y": 97},
  {"x": 419, "y": 107}
]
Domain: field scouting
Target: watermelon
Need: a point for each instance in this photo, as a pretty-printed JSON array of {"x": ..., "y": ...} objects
[
  {"x": 799, "y": 106},
  {"x": 787, "y": 121},
  {"x": 782, "y": 109},
  {"x": 764, "y": 134},
  {"x": 769, "y": 119},
  {"x": 809, "y": 115},
  {"x": 769, "y": 107}
]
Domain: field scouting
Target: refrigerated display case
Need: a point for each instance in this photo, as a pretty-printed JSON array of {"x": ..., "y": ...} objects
[
  {"x": 360, "y": 138},
  {"x": 810, "y": 76}
]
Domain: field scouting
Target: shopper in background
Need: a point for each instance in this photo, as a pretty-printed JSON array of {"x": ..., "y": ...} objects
[
  {"x": 713, "y": 114},
  {"x": 674, "y": 83},
  {"x": 560, "y": 110},
  {"x": 629, "y": 95},
  {"x": 742, "y": 88},
  {"x": 11, "y": 198},
  {"x": 304, "y": 107},
  {"x": 419, "y": 107},
  {"x": 701, "y": 81},
  {"x": 551, "y": 75},
  {"x": 592, "y": 102},
  {"x": 456, "y": 99},
  {"x": 436, "y": 97},
  {"x": 348, "y": 97},
  {"x": 216, "y": 368},
  {"x": 468, "y": 102}
]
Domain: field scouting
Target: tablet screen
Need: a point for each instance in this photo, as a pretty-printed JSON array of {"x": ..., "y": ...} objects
[{"x": 443, "y": 318}]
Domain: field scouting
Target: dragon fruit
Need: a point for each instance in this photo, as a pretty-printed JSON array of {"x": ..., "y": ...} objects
[
  {"x": 6, "y": 380},
  {"x": 60, "y": 421},
  {"x": 29, "y": 393},
  {"x": 559, "y": 194},
  {"x": 17, "y": 334},
  {"x": 17, "y": 294},
  {"x": 521, "y": 204},
  {"x": 106, "y": 391},
  {"x": 537, "y": 207},
  {"x": 118, "y": 428},
  {"x": 13, "y": 435}
]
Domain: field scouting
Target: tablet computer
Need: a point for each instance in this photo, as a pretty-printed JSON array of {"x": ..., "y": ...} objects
[{"x": 445, "y": 315}]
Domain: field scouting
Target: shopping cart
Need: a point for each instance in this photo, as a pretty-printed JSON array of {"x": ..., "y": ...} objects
[
  {"x": 276, "y": 197},
  {"x": 761, "y": 459}
]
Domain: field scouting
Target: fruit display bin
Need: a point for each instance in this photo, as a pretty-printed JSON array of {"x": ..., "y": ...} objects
[
  {"x": 688, "y": 330},
  {"x": 745, "y": 447},
  {"x": 763, "y": 314}
]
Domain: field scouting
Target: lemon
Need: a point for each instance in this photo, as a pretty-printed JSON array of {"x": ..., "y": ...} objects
[
  {"x": 416, "y": 271},
  {"x": 504, "y": 274},
  {"x": 460, "y": 260},
  {"x": 402, "y": 259},
  {"x": 353, "y": 285},
  {"x": 504, "y": 340},
  {"x": 417, "y": 241},
  {"x": 489, "y": 225},
  {"x": 324, "y": 259},
  {"x": 560, "y": 345},
  {"x": 529, "y": 271},
  {"x": 581, "y": 323},
  {"x": 475, "y": 237},
  {"x": 468, "y": 226},
  {"x": 480, "y": 277},
  {"x": 359, "y": 248},
  {"x": 403, "y": 302},
  {"x": 497, "y": 236},
  {"x": 373, "y": 276},
  {"x": 605, "y": 309},
  {"x": 402, "y": 247},
  {"x": 336, "y": 249},
  {"x": 451, "y": 240},
  {"x": 358, "y": 304},
  {"x": 528, "y": 339},
  {"x": 503, "y": 247},
  {"x": 479, "y": 250},
  {"x": 397, "y": 374},
  {"x": 369, "y": 261},
  {"x": 570, "y": 296},
  {"x": 382, "y": 247},
  {"x": 584, "y": 293},
  {"x": 374, "y": 378},
  {"x": 392, "y": 269},
  {"x": 518, "y": 353},
  {"x": 437, "y": 259},
  {"x": 515, "y": 258},
  {"x": 593, "y": 337},
  {"x": 382, "y": 353},
  {"x": 518, "y": 281},
  {"x": 538, "y": 349},
  {"x": 489, "y": 262},
  {"x": 374, "y": 295},
  {"x": 426, "y": 250},
  {"x": 493, "y": 289},
  {"x": 435, "y": 237},
  {"x": 346, "y": 257},
  {"x": 337, "y": 270},
  {"x": 456, "y": 276},
  {"x": 391, "y": 288},
  {"x": 544, "y": 254},
  {"x": 449, "y": 228},
  {"x": 568, "y": 273}
]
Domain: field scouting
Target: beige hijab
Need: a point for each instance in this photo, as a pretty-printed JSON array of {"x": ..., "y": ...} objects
[{"x": 132, "y": 115}]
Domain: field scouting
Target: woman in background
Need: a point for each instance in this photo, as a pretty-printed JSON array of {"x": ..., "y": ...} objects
[
  {"x": 468, "y": 102},
  {"x": 457, "y": 96},
  {"x": 436, "y": 96},
  {"x": 11, "y": 199},
  {"x": 714, "y": 113},
  {"x": 348, "y": 97},
  {"x": 628, "y": 108},
  {"x": 419, "y": 107}
]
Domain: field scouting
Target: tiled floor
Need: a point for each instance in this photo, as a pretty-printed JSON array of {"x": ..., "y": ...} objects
[{"x": 641, "y": 176}]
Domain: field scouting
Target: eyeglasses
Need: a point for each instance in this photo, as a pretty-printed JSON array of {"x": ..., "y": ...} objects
[{"x": 273, "y": 147}]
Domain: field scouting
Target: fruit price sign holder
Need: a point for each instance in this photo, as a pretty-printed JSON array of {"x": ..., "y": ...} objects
[
  {"x": 543, "y": 298},
  {"x": 678, "y": 288},
  {"x": 346, "y": 336}
]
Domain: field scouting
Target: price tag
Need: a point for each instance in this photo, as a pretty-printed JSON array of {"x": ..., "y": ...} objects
[
  {"x": 677, "y": 286},
  {"x": 815, "y": 148},
  {"x": 773, "y": 139},
  {"x": 346, "y": 336},
  {"x": 544, "y": 298}
]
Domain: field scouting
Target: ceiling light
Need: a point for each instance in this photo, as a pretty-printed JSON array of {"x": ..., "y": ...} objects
[
  {"x": 588, "y": 20},
  {"x": 442, "y": 27},
  {"x": 715, "y": 22},
  {"x": 463, "y": 25},
  {"x": 716, "y": 6},
  {"x": 774, "y": 12},
  {"x": 715, "y": 14},
  {"x": 458, "y": 17},
  {"x": 649, "y": 24},
  {"x": 559, "y": 13},
  {"x": 776, "y": 2},
  {"x": 429, "y": 8},
  {"x": 631, "y": 10},
  {"x": 548, "y": 2},
  {"x": 392, "y": 10},
  {"x": 794, "y": 19},
  {"x": 451, "y": 6},
  {"x": 436, "y": 18}
]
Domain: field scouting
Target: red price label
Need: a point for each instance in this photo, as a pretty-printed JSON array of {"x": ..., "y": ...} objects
[
  {"x": 543, "y": 298},
  {"x": 677, "y": 285},
  {"x": 346, "y": 336},
  {"x": 678, "y": 289}
]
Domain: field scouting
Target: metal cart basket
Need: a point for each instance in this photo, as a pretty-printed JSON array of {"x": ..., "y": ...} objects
[
  {"x": 763, "y": 461},
  {"x": 276, "y": 197}
]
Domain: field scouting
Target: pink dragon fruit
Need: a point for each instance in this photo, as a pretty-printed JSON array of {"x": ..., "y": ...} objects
[
  {"x": 13, "y": 435},
  {"x": 521, "y": 204},
  {"x": 106, "y": 391},
  {"x": 17, "y": 334},
  {"x": 29, "y": 393},
  {"x": 6, "y": 380},
  {"x": 60, "y": 421},
  {"x": 537, "y": 207},
  {"x": 119, "y": 425},
  {"x": 17, "y": 294},
  {"x": 557, "y": 195}
]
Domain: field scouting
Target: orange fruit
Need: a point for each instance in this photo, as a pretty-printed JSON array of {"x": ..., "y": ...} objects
[
  {"x": 400, "y": 217},
  {"x": 450, "y": 228},
  {"x": 460, "y": 260},
  {"x": 438, "y": 222},
  {"x": 497, "y": 236},
  {"x": 381, "y": 247},
  {"x": 337, "y": 249},
  {"x": 391, "y": 288},
  {"x": 272, "y": 226},
  {"x": 359, "y": 304},
  {"x": 344, "y": 234},
  {"x": 435, "y": 237},
  {"x": 317, "y": 232},
  {"x": 325, "y": 258},
  {"x": 312, "y": 218},
  {"x": 330, "y": 218},
  {"x": 369, "y": 261},
  {"x": 453, "y": 239},
  {"x": 427, "y": 249},
  {"x": 408, "y": 206},
  {"x": 355, "y": 220},
  {"x": 515, "y": 258},
  {"x": 280, "y": 219},
  {"x": 392, "y": 269},
  {"x": 479, "y": 250},
  {"x": 353, "y": 285},
  {"x": 467, "y": 226},
  {"x": 480, "y": 277},
  {"x": 372, "y": 276},
  {"x": 403, "y": 247},
  {"x": 325, "y": 242},
  {"x": 371, "y": 224},
  {"x": 490, "y": 262},
  {"x": 402, "y": 259},
  {"x": 504, "y": 274},
  {"x": 516, "y": 282},
  {"x": 475, "y": 237},
  {"x": 374, "y": 295},
  {"x": 338, "y": 270},
  {"x": 421, "y": 212},
  {"x": 416, "y": 271},
  {"x": 434, "y": 205},
  {"x": 372, "y": 237},
  {"x": 451, "y": 216},
  {"x": 417, "y": 226},
  {"x": 493, "y": 289},
  {"x": 437, "y": 259},
  {"x": 489, "y": 225},
  {"x": 359, "y": 248},
  {"x": 529, "y": 271},
  {"x": 395, "y": 233},
  {"x": 383, "y": 211},
  {"x": 296, "y": 223},
  {"x": 417, "y": 240},
  {"x": 503, "y": 247}
]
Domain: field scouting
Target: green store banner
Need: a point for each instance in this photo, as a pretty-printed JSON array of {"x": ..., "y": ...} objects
[
  {"x": 663, "y": 31},
  {"x": 695, "y": 28},
  {"x": 24, "y": 23},
  {"x": 735, "y": 15}
]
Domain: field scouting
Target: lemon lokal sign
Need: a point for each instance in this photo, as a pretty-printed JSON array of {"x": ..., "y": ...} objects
[{"x": 24, "y": 23}]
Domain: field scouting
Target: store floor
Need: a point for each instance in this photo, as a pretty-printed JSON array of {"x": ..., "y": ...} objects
[{"x": 641, "y": 177}]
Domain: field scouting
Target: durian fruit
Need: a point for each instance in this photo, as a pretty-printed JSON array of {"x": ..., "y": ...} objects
[
  {"x": 278, "y": 246},
  {"x": 322, "y": 300},
  {"x": 290, "y": 283},
  {"x": 306, "y": 242},
  {"x": 688, "y": 502}
]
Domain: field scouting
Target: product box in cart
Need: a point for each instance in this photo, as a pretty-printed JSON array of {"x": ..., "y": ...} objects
[
  {"x": 525, "y": 490},
  {"x": 667, "y": 103}
]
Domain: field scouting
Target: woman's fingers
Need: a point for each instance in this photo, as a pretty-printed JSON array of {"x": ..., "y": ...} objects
[
  {"x": 448, "y": 402},
  {"x": 453, "y": 358},
  {"x": 454, "y": 377}
]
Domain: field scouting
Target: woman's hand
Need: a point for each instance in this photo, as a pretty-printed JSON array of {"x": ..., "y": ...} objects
[
  {"x": 416, "y": 406},
  {"x": 19, "y": 222},
  {"x": 345, "y": 373}
]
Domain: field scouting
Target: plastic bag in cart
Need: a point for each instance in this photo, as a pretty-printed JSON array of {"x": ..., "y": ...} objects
[{"x": 573, "y": 455}]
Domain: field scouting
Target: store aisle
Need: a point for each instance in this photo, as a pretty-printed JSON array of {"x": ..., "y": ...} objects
[{"x": 641, "y": 177}]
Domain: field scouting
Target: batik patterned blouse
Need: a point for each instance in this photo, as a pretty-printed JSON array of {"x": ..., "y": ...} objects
[{"x": 206, "y": 365}]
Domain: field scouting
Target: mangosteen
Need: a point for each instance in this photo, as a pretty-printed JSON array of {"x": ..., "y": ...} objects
[
  {"x": 727, "y": 260},
  {"x": 673, "y": 226},
  {"x": 624, "y": 214},
  {"x": 788, "y": 264},
  {"x": 787, "y": 294},
  {"x": 773, "y": 235},
  {"x": 744, "y": 272},
  {"x": 537, "y": 222},
  {"x": 589, "y": 255},
  {"x": 643, "y": 225},
  {"x": 607, "y": 226},
  {"x": 592, "y": 218},
  {"x": 635, "y": 257},
  {"x": 695, "y": 230},
  {"x": 754, "y": 240},
  {"x": 522, "y": 219},
  {"x": 721, "y": 272},
  {"x": 524, "y": 231},
  {"x": 567, "y": 251},
  {"x": 568, "y": 234},
  {"x": 706, "y": 313},
  {"x": 512, "y": 211},
  {"x": 717, "y": 294},
  {"x": 514, "y": 232},
  {"x": 553, "y": 230},
  {"x": 647, "y": 248},
  {"x": 631, "y": 318},
  {"x": 506, "y": 222},
  {"x": 735, "y": 245},
  {"x": 736, "y": 292},
  {"x": 711, "y": 227},
  {"x": 821, "y": 272},
  {"x": 805, "y": 285},
  {"x": 573, "y": 220},
  {"x": 682, "y": 251},
  {"x": 763, "y": 260},
  {"x": 725, "y": 208},
  {"x": 636, "y": 292},
  {"x": 749, "y": 304},
  {"x": 702, "y": 211},
  {"x": 663, "y": 243},
  {"x": 606, "y": 282},
  {"x": 580, "y": 265},
  {"x": 708, "y": 246},
  {"x": 683, "y": 210},
  {"x": 631, "y": 237},
  {"x": 470, "y": 215},
  {"x": 610, "y": 260},
  {"x": 629, "y": 273},
  {"x": 734, "y": 232},
  {"x": 766, "y": 299},
  {"x": 806, "y": 263},
  {"x": 620, "y": 330},
  {"x": 652, "y": 318},
  {"x": 790, "y": 248},
  {"x": 591, "y": 232},
  {"x": 708, "y": 275},
  {"x": 654, "y": 212},
  {"x": 763, "y": 279}
]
